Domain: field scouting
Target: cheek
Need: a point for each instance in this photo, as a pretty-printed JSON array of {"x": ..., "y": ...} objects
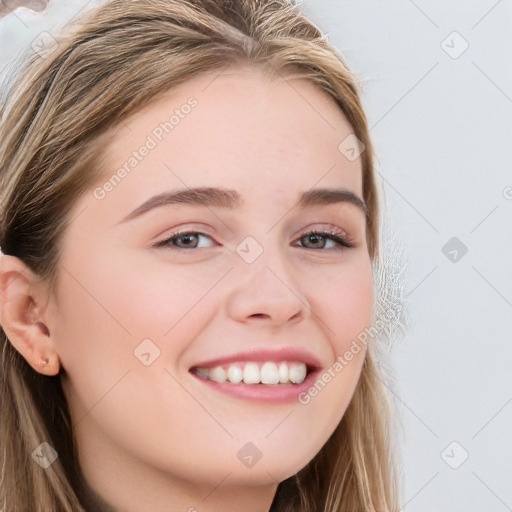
[
  {"x": 107, "y": 312},
  {"x": 143, "y": 297},
  {"x": 344, "y": 302},
  {"x": 166, "y": 302},
  {"x": 94, "y": 342},
  {"x": 354, "y": 308},
  {"x": 346, "y": 311}
]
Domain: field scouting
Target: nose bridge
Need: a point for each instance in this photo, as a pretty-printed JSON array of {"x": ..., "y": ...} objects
[{"x": 266, "y": 285}]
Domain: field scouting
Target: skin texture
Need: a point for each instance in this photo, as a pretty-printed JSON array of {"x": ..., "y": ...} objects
[{"x": 154, "y": 438}]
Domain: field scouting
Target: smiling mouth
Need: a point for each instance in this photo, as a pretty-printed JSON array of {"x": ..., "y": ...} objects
[{"x": 272, "y": 373}]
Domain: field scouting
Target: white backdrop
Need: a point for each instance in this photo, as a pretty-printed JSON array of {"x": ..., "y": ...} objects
[
  {"x": 439, "y": 101},
  {"x": 438, "y": 95}
]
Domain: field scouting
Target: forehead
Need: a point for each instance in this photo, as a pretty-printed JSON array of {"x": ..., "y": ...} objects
[{"x": 237, "y": 126}]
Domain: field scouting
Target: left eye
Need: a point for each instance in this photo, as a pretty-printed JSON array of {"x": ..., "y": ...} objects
[
  {"x": 189, "y": 240},
  {"x": 315, "y": 236}
]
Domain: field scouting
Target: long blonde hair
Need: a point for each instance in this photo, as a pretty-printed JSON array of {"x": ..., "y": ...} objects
[{"x": 113, "y": 62}]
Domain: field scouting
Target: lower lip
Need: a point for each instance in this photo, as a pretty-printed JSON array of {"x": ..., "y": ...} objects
[{"x": 278, "y": 393}]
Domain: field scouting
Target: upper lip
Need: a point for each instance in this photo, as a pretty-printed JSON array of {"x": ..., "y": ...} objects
[{"x": 283, "y": 354}]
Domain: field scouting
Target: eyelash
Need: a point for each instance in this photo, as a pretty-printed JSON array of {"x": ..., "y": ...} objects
[{"x": 342, "y": 241}]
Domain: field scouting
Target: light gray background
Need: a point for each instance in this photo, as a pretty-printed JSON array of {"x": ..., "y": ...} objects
[{"x": 441, "y": 125}]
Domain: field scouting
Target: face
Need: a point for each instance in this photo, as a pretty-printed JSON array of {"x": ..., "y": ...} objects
[{"x": 156, "y": 306}]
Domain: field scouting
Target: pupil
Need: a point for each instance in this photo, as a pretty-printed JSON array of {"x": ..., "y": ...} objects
[
  {"x": 315, "y": 238},
  {"x": 187, "y": 239}
]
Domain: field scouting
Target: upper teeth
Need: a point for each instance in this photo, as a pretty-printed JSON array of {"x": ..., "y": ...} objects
[{"x": 257, "y": 373}]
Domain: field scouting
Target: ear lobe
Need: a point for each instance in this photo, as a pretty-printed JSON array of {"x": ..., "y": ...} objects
[{"x": 22, "y": 306}]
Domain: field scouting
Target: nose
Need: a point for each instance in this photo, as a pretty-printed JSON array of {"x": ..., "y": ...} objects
[{"x": 267, "y": 291}]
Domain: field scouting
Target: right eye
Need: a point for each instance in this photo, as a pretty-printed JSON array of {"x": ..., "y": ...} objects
[{"x": 183, "y": 240}]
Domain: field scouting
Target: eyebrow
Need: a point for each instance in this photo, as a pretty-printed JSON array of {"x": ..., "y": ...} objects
[{"x": 231, "y": 199}]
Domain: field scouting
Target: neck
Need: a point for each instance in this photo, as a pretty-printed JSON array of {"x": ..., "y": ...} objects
[
  {"x": 116, "y": 491},
  {"x": 230, "y": 500}
]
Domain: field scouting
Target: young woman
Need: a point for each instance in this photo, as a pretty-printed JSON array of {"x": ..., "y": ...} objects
[{"x": 189, "y": 225}]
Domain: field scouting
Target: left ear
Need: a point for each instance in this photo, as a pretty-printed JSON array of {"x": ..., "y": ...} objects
[{"x": 23, "y": 302}]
